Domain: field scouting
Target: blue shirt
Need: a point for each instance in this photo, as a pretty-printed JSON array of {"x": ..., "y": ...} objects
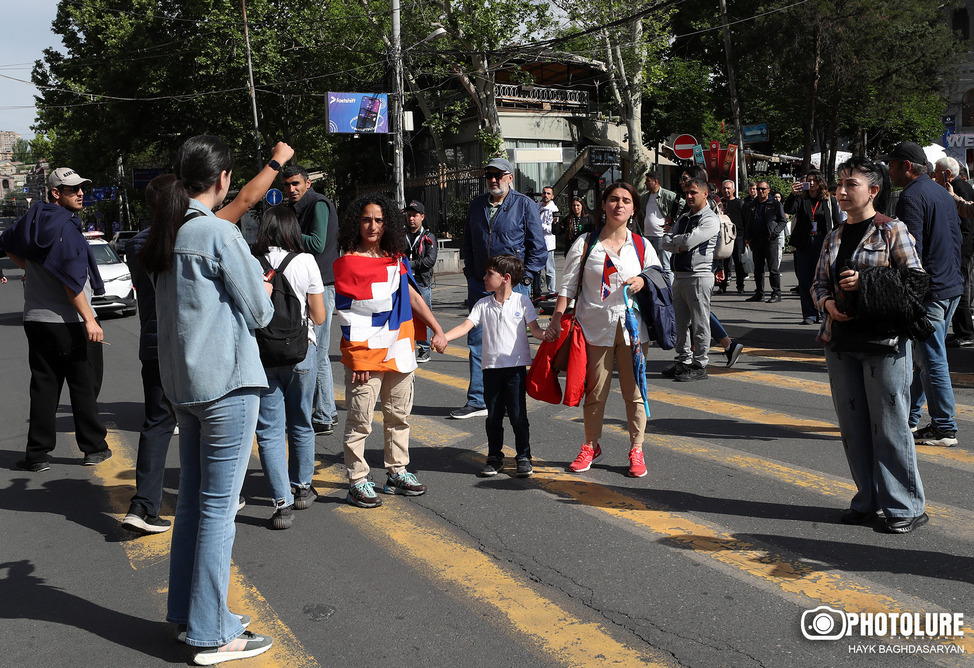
[
  {"x": 930, "y": 215},
  {"x": 208, "y": 305}
]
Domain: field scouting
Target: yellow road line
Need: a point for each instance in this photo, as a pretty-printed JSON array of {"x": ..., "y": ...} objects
[
  {"x": 957, "y": 520},
  {"x": 117, "y": 475},
  {"x": 796, "y": 579},
  {"x": 444, "y": 557}
]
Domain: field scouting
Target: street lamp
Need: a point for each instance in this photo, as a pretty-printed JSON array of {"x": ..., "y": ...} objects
[{"x": 397, "y": 98}]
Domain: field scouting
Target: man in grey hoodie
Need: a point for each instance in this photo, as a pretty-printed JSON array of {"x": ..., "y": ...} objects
[{"x": 692, "y": 241}]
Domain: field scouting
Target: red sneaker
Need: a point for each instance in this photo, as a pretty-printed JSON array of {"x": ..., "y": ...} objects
[
  {"x": 586, "y": 458},
  {"x": 637, "y": 467}
]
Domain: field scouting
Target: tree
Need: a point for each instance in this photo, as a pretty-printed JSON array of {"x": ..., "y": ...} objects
[{"x": 21, "y": 150}]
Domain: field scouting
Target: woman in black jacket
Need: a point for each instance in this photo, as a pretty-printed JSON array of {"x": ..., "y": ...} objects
[
  {"x": 816, "y": 214},
  {"x": 576, "y": 223}
]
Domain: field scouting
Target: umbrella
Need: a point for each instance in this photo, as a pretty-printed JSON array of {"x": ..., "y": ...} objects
[{"x": 638, "y": 359}]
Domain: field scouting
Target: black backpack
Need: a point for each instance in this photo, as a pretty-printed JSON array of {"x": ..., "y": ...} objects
[{"x": 284, "y": 341}]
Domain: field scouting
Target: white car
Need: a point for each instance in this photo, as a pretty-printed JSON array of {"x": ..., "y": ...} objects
[{"x": 119, "y": 292}]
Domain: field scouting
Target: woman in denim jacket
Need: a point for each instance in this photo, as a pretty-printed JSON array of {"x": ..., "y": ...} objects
[
  {"x": 210, "y": 296},
  {"x": 870, "y": 385}
]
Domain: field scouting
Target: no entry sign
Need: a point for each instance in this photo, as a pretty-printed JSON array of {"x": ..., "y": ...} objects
[{"x": 683, "y": 146}]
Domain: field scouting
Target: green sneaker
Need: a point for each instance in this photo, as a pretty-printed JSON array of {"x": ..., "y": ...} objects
[
  {"x": 404, "y": 483},
  {"x": 363, "y": 495}
]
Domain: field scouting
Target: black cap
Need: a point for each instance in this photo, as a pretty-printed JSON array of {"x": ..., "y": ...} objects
[
  {"x": 906, "y": 150},
  {"x": 417, "y": 207}
]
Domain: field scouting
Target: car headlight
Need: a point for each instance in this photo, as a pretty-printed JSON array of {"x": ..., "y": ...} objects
[{"x": 123, "y": 277}]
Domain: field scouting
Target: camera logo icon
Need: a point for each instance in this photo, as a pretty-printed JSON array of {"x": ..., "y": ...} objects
[{"x": 823, "y": 623}]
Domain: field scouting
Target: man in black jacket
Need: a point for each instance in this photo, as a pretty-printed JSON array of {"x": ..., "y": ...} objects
[
  {"x": 948, "y": 170},
  {"x": 422, "y": 258},
  {"x": 765, "y": 221}
]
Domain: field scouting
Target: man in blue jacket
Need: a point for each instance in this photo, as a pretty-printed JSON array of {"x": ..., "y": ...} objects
[
  {"x": 930, "y": 214},
  {"x": 500, "y": 221}
]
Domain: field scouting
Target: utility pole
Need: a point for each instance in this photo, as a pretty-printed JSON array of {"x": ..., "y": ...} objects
[
  {"x": 397, "y": 116},
  {"x": 732, "y": 85},
  {"x": 253, "y": 95}
]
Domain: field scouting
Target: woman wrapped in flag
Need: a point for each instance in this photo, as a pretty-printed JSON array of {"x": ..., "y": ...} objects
[
  {"x": 375, "y": 302},
  {"x": 599, "y": 267}
]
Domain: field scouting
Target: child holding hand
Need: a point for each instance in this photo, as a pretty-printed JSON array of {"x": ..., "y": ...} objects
[{"x": 505, "y": 357}]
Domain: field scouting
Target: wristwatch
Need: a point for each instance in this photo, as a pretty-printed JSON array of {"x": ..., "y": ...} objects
[{"x": 274, "y": 164}]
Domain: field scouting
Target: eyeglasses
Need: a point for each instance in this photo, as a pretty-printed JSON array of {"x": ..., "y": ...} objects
[
  {"x": 368, "y": 219},
  {"x": 764, "y": 188},
  {"x": 495, "y": 176}
]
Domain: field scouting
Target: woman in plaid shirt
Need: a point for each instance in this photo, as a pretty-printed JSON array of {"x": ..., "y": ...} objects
[{"x": 870, "y": 386}]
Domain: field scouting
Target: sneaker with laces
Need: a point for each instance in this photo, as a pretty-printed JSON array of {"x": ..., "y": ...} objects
[
  {"x": 673, "y": 370},
  {"x": 733, "y": 352},
  {"x": 692, "y": 373},
  {"x": 637, "y": 465},
  {"x": 362, "y": 494},
  {"x": 304, "y": 497},
  {"x": 931, "y": 435},
  {"x": 139, "y": 520},
  {"x": 524, "y": 468},
  {"x": 283, "y": 516},
  {"x": 586, "y": 458},
  {"x": 243, "y": 646},
  {"x": 468, "y": 411},
  {"x": 491, "y": 468},
  {"x": 181, "y": 628},
  {"x": 96, "y": 458},
  {"x": 404, "y": 483},
  {"x": 33, "y": 467},
  {"x": 422, "y": 356}
]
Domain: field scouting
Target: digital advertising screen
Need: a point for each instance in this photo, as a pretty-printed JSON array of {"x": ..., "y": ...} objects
[{"x": 355, "y": 113}]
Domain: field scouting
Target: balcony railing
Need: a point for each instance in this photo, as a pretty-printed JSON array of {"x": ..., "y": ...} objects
[{"x": 537, "y": 97}]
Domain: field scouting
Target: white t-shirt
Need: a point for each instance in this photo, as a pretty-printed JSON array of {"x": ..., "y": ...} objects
[
  {"x": 654, "y": 219},
  {"x": 305, "y": 279},
  {"x": 505, "y": 339},
  {"x": 547, "y": 221}
]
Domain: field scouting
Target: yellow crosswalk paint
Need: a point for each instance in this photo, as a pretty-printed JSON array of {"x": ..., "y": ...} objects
[
  {"x": 443, "y": 556},
  {"x": 117, "y": 475}
]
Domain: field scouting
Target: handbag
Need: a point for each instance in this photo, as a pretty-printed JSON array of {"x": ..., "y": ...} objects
[{"x": 560, "y": 360}]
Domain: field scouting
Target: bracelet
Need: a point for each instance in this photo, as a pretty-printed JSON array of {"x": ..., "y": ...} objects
[{"x": 274, "y": 164}]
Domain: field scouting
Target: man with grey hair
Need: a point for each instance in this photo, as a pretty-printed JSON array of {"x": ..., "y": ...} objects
[
  {"x": 501, "y": 221},
  {"x": 948, "y": 170},
  {"x": 930, "y": 215}
]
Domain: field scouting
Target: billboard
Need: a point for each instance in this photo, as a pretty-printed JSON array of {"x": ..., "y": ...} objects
[{"x": 358, "y": 113}]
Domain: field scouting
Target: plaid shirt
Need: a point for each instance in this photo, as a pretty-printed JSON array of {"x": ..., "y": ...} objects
[{"x": 887, "y": 244}]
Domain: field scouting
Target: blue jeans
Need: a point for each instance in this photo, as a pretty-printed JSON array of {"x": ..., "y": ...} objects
[
  {"x": 717, "y": 331},
  {"x": 931, "y": 382},
  {"x": 324, "y": 406},
  {"x": 663, "y": 255},
  {"x": 475, "y": 292},
  {"x": 215, "y": 440},
  {"x": 549, "y": 272},
  {"x": 427, "y": 294},
  {"x": 505, "y": 391},
  {"x": 285, "y": 406},
  {"x": 157, "y": 429},
  {"x": 871, "y": 396}
]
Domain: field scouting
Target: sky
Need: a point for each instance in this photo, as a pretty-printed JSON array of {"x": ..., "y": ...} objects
[{"x": 27, "y": 32}]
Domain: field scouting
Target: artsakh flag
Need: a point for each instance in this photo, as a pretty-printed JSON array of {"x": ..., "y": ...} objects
[
  {"x": 608, "y": 269},
  {"x": 372, "y": 308}
]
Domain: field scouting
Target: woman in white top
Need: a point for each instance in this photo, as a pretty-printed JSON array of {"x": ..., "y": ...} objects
[
  {"x": 612, "y": 265},
  {"x": 287, "y": 403}
]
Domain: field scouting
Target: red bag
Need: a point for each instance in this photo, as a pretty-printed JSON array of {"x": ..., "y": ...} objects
[{"x": 542, "y": 379}]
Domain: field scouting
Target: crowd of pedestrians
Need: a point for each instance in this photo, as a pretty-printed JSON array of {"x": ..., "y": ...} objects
[{"x": 234, "y": 339}]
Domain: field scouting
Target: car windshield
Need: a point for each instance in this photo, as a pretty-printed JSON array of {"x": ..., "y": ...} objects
[{"x": 105, "y": 254}]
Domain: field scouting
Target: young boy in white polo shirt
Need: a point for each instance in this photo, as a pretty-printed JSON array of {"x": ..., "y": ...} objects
[{"x": 504, "y": 359}]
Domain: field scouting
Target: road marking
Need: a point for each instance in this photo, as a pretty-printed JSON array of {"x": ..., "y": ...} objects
[
  {"x": 445, "y": 557},
  {"x": 796, "y": 579},
  {"x": 117, "y": 475}
]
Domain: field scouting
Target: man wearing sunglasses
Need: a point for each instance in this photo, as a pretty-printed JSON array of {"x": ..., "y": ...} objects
[
  {"x": 64, "y": 338},
  {"x": 501, "y": 221},
  {"x": 766, "y": 219}
]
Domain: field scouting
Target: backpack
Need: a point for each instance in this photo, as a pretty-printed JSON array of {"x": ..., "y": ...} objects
[
  {"x": 726, "y": 237},
  {"x": 284, "y": 341}
]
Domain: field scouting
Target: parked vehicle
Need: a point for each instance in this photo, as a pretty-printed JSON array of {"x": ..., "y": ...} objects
[
  {"x": 120, "y": 241},
  {"x": 119, "y": 294}
]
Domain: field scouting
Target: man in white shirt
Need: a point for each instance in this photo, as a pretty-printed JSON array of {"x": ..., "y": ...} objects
[
  {"x": 657, "y": 217},
  {"x": 549, "y": 211}
]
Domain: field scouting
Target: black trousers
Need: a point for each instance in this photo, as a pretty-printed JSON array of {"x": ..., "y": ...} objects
[
  {"x": 61, "y": 352},
  {"x": 765, "y": 251},
  {"x": 505, "y": 391},
  {"x": 961, "y": 324},
  {"x": 157, "y": 429}
]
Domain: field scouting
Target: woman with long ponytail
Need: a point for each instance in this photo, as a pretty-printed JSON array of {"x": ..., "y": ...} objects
[{"x": 210, "y": 297}]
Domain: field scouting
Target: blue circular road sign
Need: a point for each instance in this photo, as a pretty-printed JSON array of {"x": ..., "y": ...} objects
[{"x": 274, "y": 196}]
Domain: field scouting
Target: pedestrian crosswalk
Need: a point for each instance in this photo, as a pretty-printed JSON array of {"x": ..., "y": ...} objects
[{"x": 684, "y": 521}]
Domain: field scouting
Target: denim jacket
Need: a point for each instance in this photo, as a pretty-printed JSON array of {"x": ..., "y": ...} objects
[{"x": 208, "y": 305}]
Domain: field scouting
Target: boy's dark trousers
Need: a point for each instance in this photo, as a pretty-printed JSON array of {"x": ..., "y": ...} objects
[{"x": 505, "y": 391}]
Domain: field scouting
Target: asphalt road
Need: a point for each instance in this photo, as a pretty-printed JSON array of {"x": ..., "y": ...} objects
[{"x": 711, "y": 560}]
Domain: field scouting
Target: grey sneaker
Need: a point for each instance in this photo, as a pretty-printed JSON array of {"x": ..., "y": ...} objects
[
  {"x": 181, "y": 628},
  {"x": 931, "y": 435},
  {"x": 283, "y": 516},
  {"x": 404, "y": 483},
  {"x": 422, "y": 356},
  {"x": 362, "y": 494},
  {"x": 243, "y": 646},
  {"x": 304, "y": 497},
  {"x": 491, "y": 468},
  {"x": 96, "y": 458},
  {"x": 524, "y": 468}
]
